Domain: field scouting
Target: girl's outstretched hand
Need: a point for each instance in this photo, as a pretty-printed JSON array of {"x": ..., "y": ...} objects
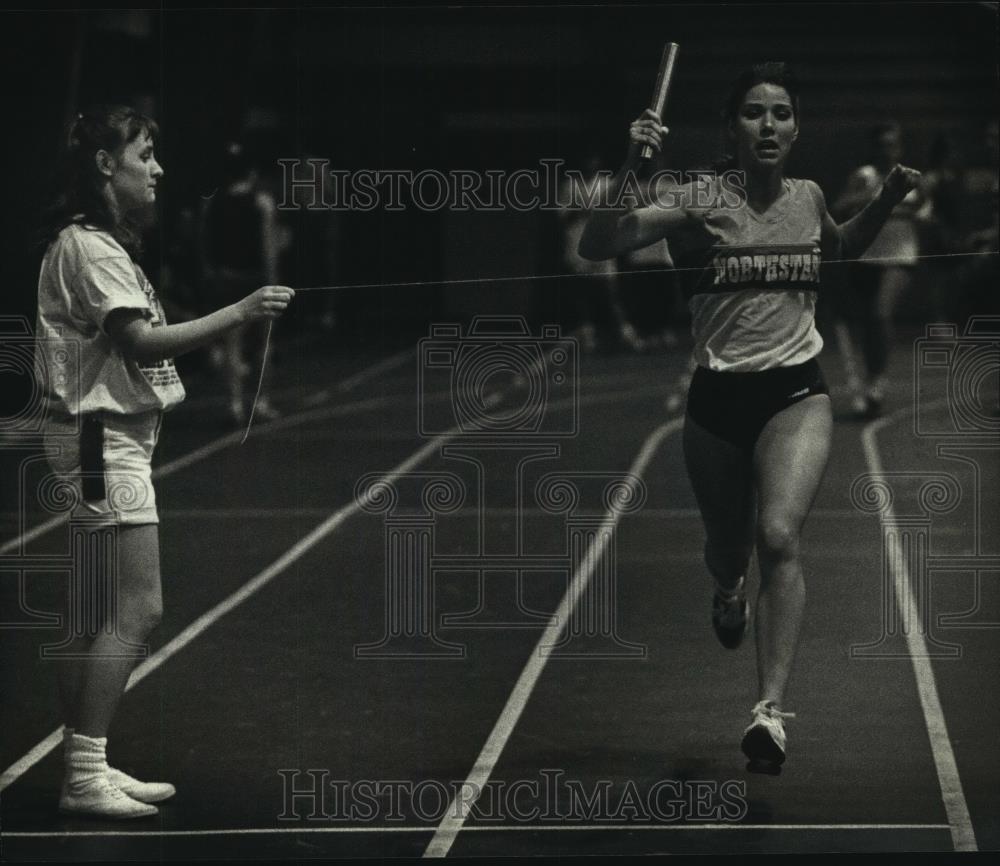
[{"x": 268, "y": 302}]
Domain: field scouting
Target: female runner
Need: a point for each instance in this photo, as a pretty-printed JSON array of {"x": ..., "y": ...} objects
[{"x": 758, "y": 424}]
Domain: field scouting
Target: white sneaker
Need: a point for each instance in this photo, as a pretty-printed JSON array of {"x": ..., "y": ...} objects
[
  {"x": 101, "y": 797},
  {"x": 144, "y": 792},
  {"x": 764, "y": 739}
]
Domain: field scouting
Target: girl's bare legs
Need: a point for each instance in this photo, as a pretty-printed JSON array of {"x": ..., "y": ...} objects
[
  {"x": 91, "y": 687},
  {"x": 722, "y": 478},
  {"x": 788, "y": 464}
]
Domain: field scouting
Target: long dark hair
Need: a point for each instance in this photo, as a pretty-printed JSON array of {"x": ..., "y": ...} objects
[
  {"x": 770, "y": 72},
  {"x": 79, "y": 198}
]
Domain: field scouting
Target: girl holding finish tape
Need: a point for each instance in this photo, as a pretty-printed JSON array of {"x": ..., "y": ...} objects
[
  {"x": 103, "y": 417},
  {"x": 758, "y": 426}
]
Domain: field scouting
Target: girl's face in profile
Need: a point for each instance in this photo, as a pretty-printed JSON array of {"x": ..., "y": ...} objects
[
  {"x": 136, "y": 174},
  {"x": 765, "y": 127}
]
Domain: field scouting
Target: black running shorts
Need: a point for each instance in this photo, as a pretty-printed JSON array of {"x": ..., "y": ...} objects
[{"x": 737, "y": 406}]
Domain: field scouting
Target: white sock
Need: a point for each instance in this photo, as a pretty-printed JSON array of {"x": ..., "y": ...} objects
[{"x": 86, "y": 759}]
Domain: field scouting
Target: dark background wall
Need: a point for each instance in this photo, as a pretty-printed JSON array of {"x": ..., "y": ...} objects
[{"x": 500, "y": 87}]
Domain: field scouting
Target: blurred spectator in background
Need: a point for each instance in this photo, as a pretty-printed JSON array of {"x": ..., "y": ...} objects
[
  {"x": 881, "y": 275},
  {"x": 939, "y": 223},
  {"x": 649, "y": 290},
  {"x": 180, "y": 276},
  {"x": 598, "y": 316},
  {"x": 648, "y": 296},
  {"x": 240, "y": 247},
  {"x": 313, "y": 255},
  {"x": 978, "y": 275}
]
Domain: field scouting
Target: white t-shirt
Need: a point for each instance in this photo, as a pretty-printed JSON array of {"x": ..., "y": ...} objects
[{"x": 85, "y": 275}]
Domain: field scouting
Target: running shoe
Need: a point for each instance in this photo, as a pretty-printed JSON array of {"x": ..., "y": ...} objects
[
  {"x": 730, "y": 612},
  {"x": 764, "y": 738},
  {"x": 144, "y": 792},
  {"x": 101, "y": 797}
]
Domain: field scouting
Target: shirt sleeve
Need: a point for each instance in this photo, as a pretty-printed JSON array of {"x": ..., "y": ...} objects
[
  {"x": 818, "y": 198},
  {"x": 107, "y": 284}
]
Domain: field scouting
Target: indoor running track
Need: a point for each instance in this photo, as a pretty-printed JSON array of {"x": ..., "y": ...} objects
[{"x": 589, "y": 704}]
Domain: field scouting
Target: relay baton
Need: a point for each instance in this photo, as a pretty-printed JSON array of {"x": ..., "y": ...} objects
[{"x": 667, "y": 61}]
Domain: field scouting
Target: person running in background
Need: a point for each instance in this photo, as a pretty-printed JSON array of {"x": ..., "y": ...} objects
[
  {"x": 978, "y": 273},
  {"x": 939, "y": 223},
  {"x": 880, "y": 276},
  {"x": 598, "y": 313},
  {"x": 240, "y": 249},
  {"x": 650, "y": 295},
  {"x": 314, "y": 256}
]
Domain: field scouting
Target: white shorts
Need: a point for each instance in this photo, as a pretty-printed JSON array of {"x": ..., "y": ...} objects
[{"x": 101, "y": 466}]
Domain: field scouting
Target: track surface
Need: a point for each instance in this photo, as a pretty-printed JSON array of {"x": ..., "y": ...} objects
[{"x": 237, "y": 709}]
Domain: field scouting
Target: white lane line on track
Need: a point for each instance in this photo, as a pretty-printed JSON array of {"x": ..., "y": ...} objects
[
  {"x": 503, "y": 828},
  {"x": 296, "y": 419},
  {"x": 181, "y": 640},
  {"x": 41, "y": 749},
  {"x": 458, "y": 811},
  {"x": 228, "y": 440},
  {"x": 292, "y": 513},
  {"x": 384, "y": 366},
  {"x": 960, "y": 822},
  {"x": 389, "y": 363},
  {"x": 289, "y": 421},
  {"x": 220, "y": 443},
  {"x": 203, "y": 452},
  {"x": 308, "y": 393}
]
